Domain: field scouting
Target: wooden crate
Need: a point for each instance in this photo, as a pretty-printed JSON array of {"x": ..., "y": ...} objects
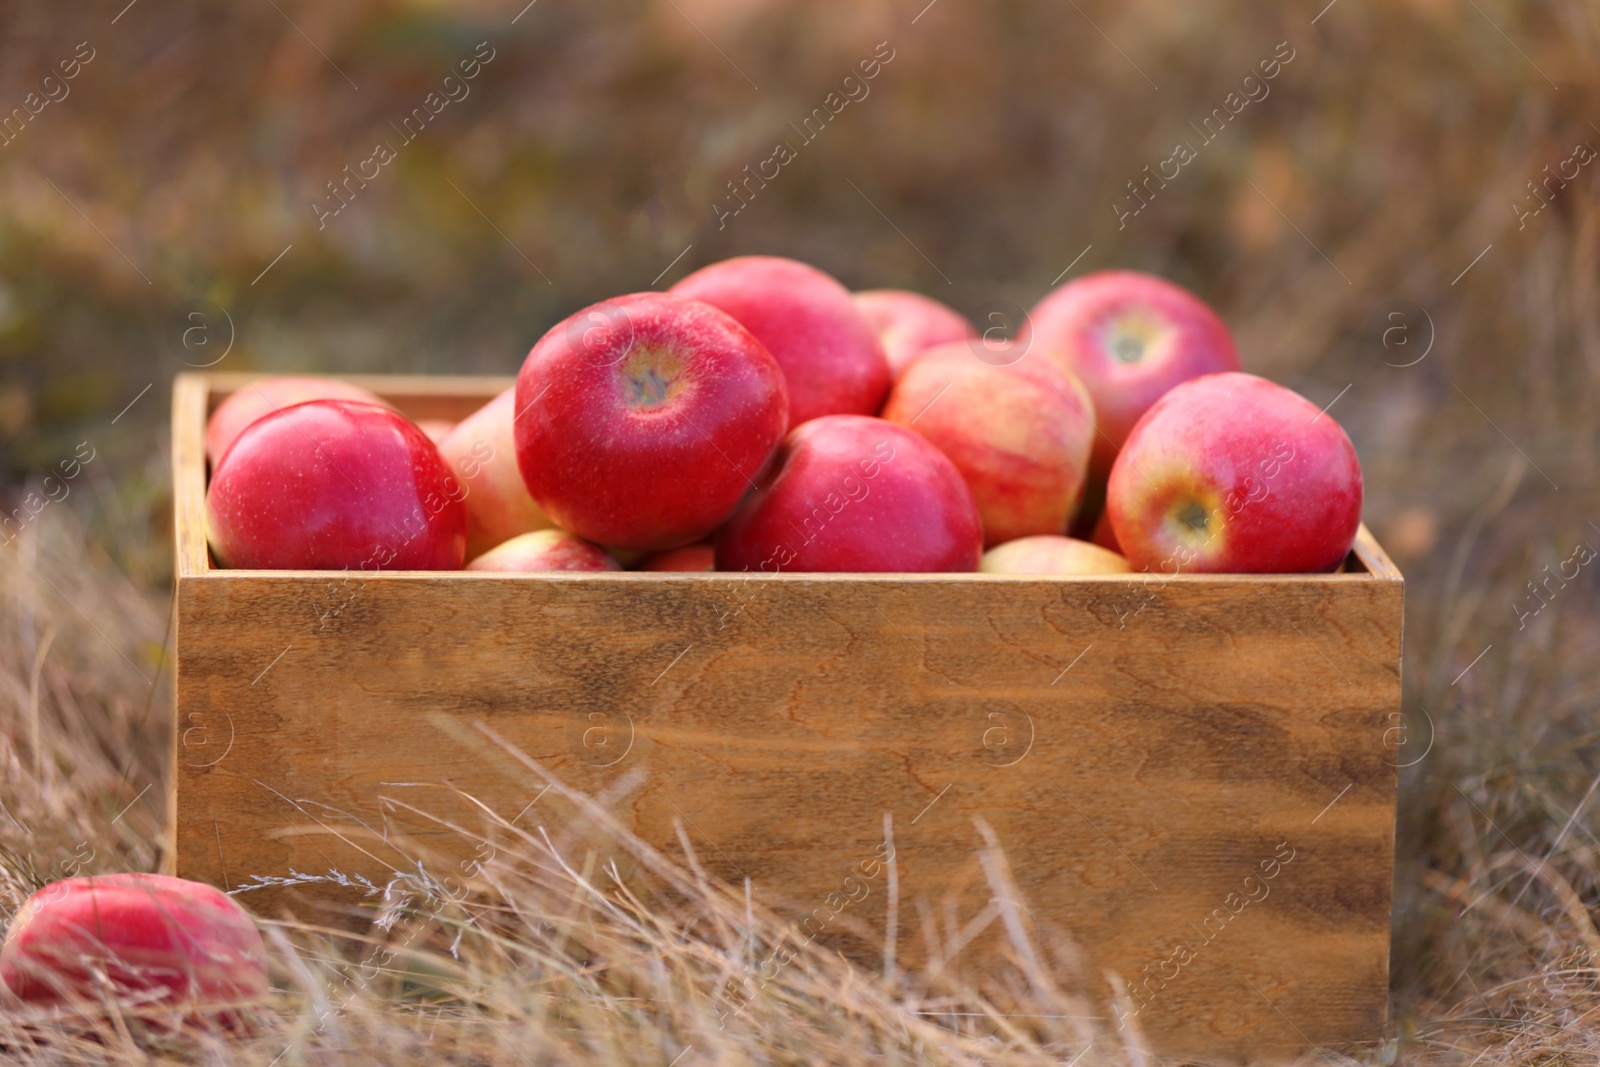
[{"x": 1192, "y": 776}]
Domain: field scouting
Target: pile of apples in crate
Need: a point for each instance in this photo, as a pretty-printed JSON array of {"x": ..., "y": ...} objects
[{"x": 759, "y": 417}]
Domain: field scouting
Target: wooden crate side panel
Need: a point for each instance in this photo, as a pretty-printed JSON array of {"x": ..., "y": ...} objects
[{"x": 1136, "y": 774}]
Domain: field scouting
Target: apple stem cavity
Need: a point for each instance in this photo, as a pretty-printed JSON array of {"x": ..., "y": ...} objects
[
  {"x": 653, "y": 379},
  {"x": 1126, "y": 349},
  {"x": 1193, "y": 515}
]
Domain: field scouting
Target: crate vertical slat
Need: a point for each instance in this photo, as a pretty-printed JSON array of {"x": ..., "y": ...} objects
[
  {"x": 1189, "y": 777},
  {"x": 190, "y": 408}
]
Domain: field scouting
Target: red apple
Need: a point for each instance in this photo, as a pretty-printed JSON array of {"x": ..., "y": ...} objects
[
  {"x": 545, "y": 550},
  {"x": 909, "y": 324},
  {"x": 830, "y": 356},
  {"x": 700, "y": 557},
  {"x": 482, "y": 451},
  {"x": 1018, "y": 431},
  {"x": 1129, "y": 337},
  {"x": 855, "y": 494},
  {"x": 249, "y": 403},
  {"x": 149, "y": 939},
  {"x": 642, "y": 420},
  {"x": 1232, "y": 473},
  {"x": 335, "y": 483},
  {"x": 1051, "y": 554}
]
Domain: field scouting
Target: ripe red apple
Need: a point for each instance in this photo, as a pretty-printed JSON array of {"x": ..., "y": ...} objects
[
  {"x": 909, "y": 324},
  {"x": 830, "y": 356},
  {"x": 545, "y": 550},
  {"x": 1050, "y": 554},
  {"x": 642, "y": 420},
  {"x": 1129, "y": 337},
  {"x": 482, "y": 451},
  {"x": 1232, "y": 473},
  {"x": 157, "y": 941},
  {"x": 248, "y": 404},
  {"x": 335, "y": 483},
  {"x": 855, "y": 494},
  {"x": 1018, "y": 431},
  {"x": 700, "y": 557}
]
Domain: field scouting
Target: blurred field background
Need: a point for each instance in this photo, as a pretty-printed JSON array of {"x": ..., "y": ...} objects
[{"x": 160, "y": 215}]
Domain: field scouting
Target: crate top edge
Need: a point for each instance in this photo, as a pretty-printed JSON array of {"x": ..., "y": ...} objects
[{"x": 1334, "y": 579}]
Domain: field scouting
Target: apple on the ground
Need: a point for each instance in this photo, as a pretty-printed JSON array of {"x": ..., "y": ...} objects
[
  {"x": 249, "y": 403},
  {"x": 1129, "y": 337},
  {"x": 149, "y": 942},
  {"x": 335, "y": 483},
  {"x": 830, "y": 355},
  {"x": 1233, "y": 473},
  {"x": 909, "y": 324},
  {"x": 1052, "y": 554},
  {"x": 849, "y": 493},
  {"x": 482, "y": 451},
  {"x": 1018, "y": 431},
  {"x": 545, "y": 550},
  {"x": 642, "y": 421}
]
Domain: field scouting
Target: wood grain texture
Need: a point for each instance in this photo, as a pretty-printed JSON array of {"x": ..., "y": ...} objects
[
  {"x": 1138, "y": 745},
  {"x": 190, "y": 409}
]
